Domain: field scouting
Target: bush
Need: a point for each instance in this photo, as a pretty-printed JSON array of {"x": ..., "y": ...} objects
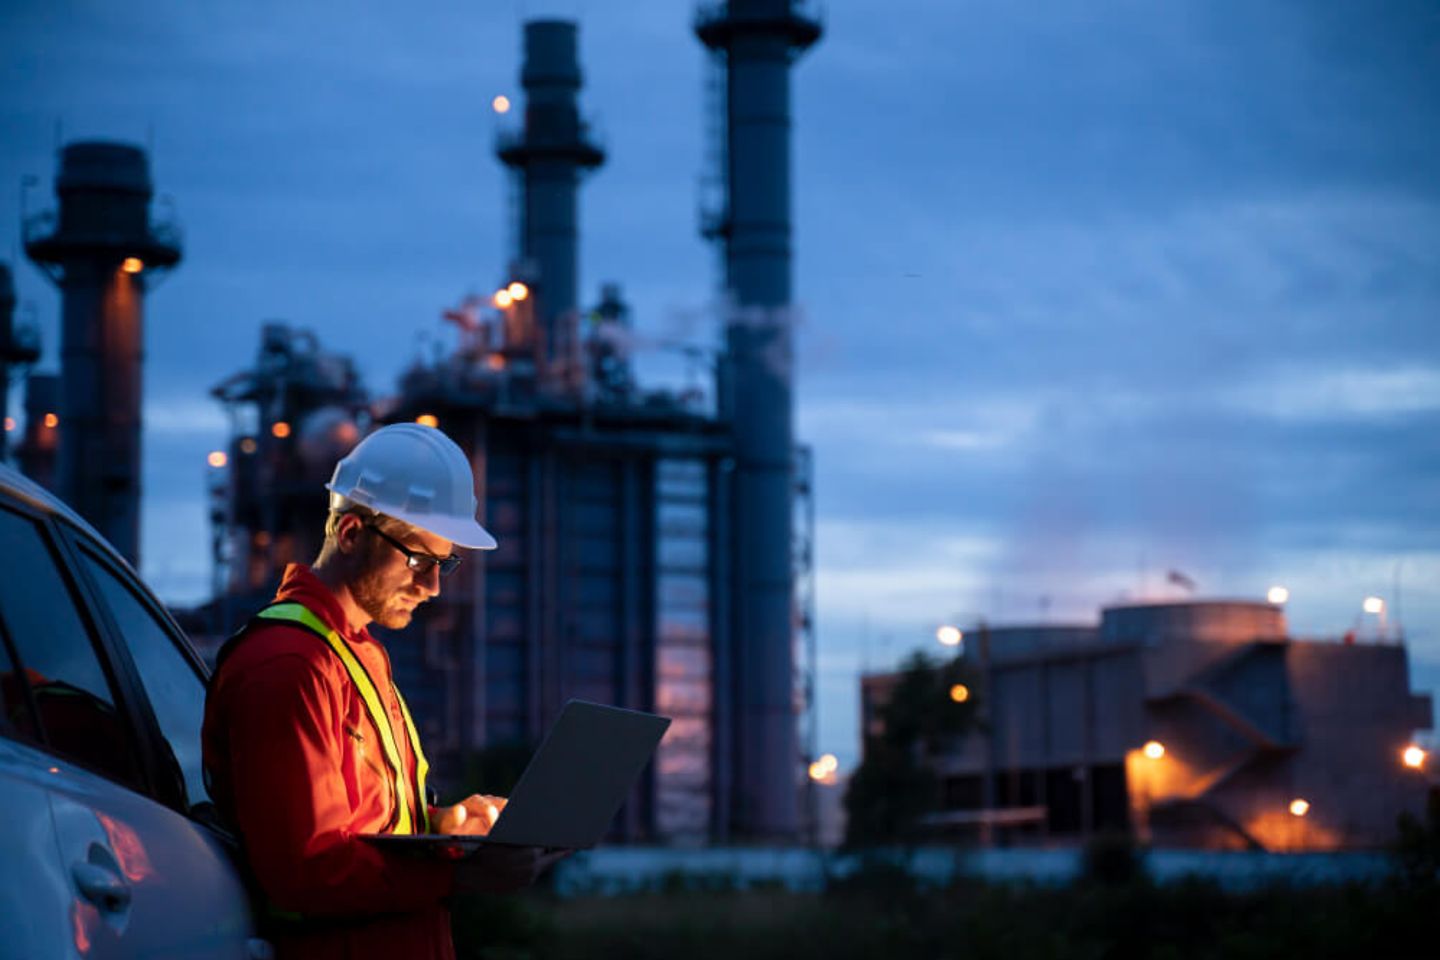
[
  {"x": 1417, "y": 848},
  {"x": 1112, "y": 859}
]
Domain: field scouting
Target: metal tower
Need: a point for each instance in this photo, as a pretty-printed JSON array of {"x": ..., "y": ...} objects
[
  {"x": 758, "y": 40},
  {"x": 549, "y": 154},
  {"x": 101, "y": 252}
]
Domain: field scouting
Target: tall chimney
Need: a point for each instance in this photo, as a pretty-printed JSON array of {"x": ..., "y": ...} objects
[
  {"x": 549, "y": 154},
  {"x": 101, "y": 252},
  {"x": 756, "y": 42}
]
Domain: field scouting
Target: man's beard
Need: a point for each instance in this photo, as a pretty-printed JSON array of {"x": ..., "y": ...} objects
[{"x": 378, "y": 600}]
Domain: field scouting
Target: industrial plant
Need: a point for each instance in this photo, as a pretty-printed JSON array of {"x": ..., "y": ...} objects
[
  {"x": 1197, "y": 724},
  {"x": 654, "y": 545},
  {"x": 648, "y": 542}
]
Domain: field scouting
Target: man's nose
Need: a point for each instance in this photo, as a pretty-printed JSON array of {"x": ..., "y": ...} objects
[{"x": 429, "y": 581}]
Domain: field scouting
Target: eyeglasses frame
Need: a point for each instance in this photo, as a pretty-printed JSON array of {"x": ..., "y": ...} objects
[{"x": 418, "y": 560}]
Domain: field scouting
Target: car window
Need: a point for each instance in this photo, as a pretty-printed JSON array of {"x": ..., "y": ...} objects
[
  {"x": 57, "y": 658},
  {"x": 175, "y": 689},
  {"x": 16, "y": 720}
]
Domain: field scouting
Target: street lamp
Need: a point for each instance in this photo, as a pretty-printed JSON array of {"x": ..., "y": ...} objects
[
  {"x": 823, "y": 770},
  {"x": 1154, "y": 749},
  {"x": 949, "y": 635},
  {"x": 1376, "y": 607},
  {"x": 1414, "y": 757}
]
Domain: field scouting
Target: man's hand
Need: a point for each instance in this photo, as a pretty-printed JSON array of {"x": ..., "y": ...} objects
[
  {"x": 473, "y": 816},
  {"x": 504, "y": 869}
]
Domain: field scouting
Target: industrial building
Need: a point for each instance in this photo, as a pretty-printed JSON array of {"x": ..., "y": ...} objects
[
  {"x": 102, "y": 249},
  {"x": 1198, "y": 724},
  {"x": 654, "y": 545}
]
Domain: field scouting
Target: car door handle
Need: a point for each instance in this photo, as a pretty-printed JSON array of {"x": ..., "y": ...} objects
[{"x": 101, "y": 886}]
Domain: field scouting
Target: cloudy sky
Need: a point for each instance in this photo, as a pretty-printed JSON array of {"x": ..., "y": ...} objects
[{"x": 1091, "y": 291}]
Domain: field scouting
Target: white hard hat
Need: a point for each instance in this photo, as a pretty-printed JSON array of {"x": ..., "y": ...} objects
[{"x": 415, "y": 474}]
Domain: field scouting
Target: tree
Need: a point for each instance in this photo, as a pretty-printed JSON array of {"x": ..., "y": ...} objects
[{"x": 895, "y": 784}]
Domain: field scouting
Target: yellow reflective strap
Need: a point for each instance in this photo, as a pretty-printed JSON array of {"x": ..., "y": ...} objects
[
  {"x": 379, "y": 717},
  {"x": 422, "y": 766}
]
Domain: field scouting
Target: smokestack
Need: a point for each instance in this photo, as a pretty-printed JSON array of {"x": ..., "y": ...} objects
[
  {"x": 756, "y": 41},
  {"x": 549, "y": 155},
  {"x": 101, "y": 253}
]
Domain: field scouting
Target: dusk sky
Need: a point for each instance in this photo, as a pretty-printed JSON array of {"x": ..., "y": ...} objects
[{"x": 1090, "y": 291}]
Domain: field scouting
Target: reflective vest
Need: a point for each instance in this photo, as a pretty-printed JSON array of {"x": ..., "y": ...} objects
[{"x": 403, "y": 819}]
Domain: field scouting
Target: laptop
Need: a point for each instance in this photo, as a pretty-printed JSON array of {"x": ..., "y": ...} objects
[{"x": 569, "y": 792}]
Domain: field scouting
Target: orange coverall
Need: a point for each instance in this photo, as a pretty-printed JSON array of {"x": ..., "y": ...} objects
[{"x": 297, "y": 765}]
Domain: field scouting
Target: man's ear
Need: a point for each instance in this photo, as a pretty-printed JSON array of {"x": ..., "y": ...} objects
[{"x": 348, "y": 531}]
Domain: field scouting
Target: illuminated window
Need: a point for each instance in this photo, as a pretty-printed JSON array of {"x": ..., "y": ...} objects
[{"x": 683, "y": 669}]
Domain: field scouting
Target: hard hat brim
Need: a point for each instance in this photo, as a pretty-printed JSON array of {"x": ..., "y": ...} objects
[{"x": 459, "y": 531}]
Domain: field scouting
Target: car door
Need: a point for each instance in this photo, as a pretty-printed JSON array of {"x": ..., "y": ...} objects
[
  {"x": 146, "y": 879},
  {"x": 35, "y": 888}
]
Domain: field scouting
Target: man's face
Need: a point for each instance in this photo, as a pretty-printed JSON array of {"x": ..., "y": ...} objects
[{"x": 386, "y": 588}]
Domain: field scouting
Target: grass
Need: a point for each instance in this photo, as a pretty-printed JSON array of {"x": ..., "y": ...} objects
[{"x": 887, "y": 919}]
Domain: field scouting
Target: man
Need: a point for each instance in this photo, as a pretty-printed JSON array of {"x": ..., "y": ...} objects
[{"x": 309, "y": 745}]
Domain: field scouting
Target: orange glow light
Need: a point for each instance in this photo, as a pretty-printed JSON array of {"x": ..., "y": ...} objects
[
  {"x": 1154, "y": 749},
  {"x": 132, "y": 265},
  {"x": 247, "y": 445},
  {"x": 495, "y": 362},
  {"x": 1298, "y": 807},
  {"x": 51, "y": 421},
  {"x": 823, "y": 770},
  {"x": 217, "y": 459},
  {"x": 503, "y": 299},
  {"x": 959, "y": 693},
  {"x": 518, "y": 291},
  {"x": 280, "y": 429},
  {"x": 1414, "y": 757},
  {"x": 9, "y": 424},
  {"x": 501, "y": 104},
  {"x": 428, "y": 420}
]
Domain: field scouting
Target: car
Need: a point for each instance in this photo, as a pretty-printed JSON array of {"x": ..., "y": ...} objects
[{"x": 109, "y": 842}]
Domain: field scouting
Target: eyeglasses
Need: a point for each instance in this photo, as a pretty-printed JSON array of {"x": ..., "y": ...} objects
[{"x": 419, "y": 561}]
